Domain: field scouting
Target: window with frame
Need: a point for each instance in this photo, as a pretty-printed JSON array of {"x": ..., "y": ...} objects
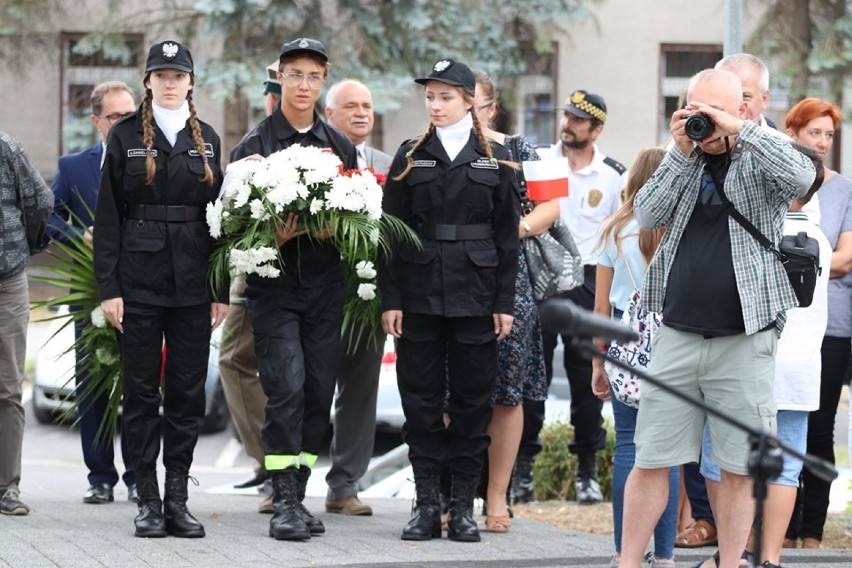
[
  {"x": 678, "y": 63},
  {"x": 81, "y": 72}
]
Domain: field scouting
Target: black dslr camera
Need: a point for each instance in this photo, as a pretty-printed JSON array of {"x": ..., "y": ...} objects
[{"x": 698, "y": 126}]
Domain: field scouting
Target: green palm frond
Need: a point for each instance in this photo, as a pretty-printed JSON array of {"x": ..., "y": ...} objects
[{"x": 72, "y": 269}]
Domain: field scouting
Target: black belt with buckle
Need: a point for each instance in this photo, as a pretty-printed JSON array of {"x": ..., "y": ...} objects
[
  {"x": 167, "y": 213},
  {"x": 456, "y": 232}
]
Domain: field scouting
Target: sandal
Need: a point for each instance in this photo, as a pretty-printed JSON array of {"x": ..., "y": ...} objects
[
  {"x": 497, "y": 523},
  {"x": 698, "y": 534}
]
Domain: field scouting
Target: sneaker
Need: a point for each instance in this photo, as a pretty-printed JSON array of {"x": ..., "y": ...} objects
[
  {"x": 588, "y": 491},
  {"x": 10, "y": 503}
]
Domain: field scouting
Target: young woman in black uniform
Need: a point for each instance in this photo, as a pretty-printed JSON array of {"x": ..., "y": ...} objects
[
  {"x": 449, "y": 301},
  {"x": 151, "y": 247}
]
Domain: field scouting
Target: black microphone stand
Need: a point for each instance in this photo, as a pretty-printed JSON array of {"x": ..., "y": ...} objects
[{"x": 765, "y": 459}]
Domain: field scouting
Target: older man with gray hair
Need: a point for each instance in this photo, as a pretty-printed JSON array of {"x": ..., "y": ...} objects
[{"x": 349, "y": 108}]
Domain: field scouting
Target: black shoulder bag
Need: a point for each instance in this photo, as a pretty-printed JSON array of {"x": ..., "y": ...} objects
[
  {"x": 554, "y": 261},
  {"x": 799, "y": 254}
]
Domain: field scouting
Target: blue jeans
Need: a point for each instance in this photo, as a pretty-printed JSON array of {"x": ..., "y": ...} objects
[{"x": 625, "y": 455}]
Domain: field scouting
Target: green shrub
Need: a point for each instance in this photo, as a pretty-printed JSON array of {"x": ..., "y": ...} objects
[{"x": 555, "y": 467}]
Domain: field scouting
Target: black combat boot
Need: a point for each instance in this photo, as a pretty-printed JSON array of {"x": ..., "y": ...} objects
[
  {"x": 286, "y": 523},
  {"x": 314, "y": 524},
  {"x": 150, "y": 522},
  {"x": 461, "y": 527},
  {"x": 586, "y": 484},
  {"x": 179, "y": 521},
  {"x": 425, "y": 523},
  {"x": 523, "y": 489}
]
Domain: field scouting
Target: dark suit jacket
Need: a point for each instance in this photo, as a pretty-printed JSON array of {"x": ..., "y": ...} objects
[{"x": 75, "y": 188}]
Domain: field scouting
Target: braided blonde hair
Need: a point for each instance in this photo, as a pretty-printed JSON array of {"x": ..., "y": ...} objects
[
  {"x": 199, "y": 139},
  {"x": 148, "y": 135},
  {"x": 477, "y": 128}
]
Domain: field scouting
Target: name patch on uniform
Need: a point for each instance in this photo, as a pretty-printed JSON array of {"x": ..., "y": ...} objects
[
  {"x": 208, "y": 150},
  {"x": 140, "y": 152},
  {"x": 484, "y": 164},
  {"x": 423, "y": 164}
]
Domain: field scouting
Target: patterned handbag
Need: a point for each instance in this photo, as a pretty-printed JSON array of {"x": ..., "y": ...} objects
[
  {"x": 636, "y": 354},
  {"x": 553, "y": 259}
]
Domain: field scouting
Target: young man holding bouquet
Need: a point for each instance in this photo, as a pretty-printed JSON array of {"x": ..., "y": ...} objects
[{"x": 297, "y": 316}]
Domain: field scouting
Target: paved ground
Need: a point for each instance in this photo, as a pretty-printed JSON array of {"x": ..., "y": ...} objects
[{"x": 63, "y": 532}]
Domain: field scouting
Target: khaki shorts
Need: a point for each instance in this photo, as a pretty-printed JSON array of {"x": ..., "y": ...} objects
[{"x": 733, "y": 374}]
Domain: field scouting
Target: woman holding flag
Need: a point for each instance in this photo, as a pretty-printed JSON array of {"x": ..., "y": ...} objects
[{"x": 521, "y": 372}]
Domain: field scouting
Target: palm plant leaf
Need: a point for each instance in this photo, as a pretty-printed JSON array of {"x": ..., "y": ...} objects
[{"x": 72, "y": 269}]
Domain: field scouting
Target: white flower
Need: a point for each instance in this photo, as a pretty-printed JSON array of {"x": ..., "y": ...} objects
[
  {"x": 365, "y": 270},
  {"x": 104, "y": 357},
  {"x": 258, "y": 211},
  {"x": 316, "y": 206},
  {"x": 214, "y": 219},
  {"x": 343, "y": 195},
  {"x": 260, "y": 255},
  {"x": 374, "y": 235},
  {"x": 98, "y": 317},
  {"x": 268, "y": 271},
  {"x": 366, "y": 291},
  {"x": 243, "y": 192}
]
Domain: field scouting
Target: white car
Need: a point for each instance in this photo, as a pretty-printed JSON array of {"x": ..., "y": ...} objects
[{"x": 53, "y": 378}]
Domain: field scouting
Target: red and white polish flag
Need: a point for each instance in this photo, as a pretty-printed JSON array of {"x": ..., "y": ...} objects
[{"x": 546, "y": 179}]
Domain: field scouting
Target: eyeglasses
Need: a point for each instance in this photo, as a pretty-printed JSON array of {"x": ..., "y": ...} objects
[
  {"x": 114, "y": 117},
  {"x": 292, "y": 80}
]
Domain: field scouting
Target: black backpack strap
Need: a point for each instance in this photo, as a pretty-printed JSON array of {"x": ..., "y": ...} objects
[{"x": 741, "y": 219}]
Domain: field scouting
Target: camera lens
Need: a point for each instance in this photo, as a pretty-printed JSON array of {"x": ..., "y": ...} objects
[{"x": 698, "y": 127}]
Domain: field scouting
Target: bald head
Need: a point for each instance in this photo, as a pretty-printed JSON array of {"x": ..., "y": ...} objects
[
  {"x": 722, "y": 86},
  {"x": 349, "y": 108},
  {"x": 721, "y": 90}
]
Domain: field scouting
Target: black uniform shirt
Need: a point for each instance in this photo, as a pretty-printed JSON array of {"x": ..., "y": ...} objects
[
  {"x": 453, "y": 278},
  {"x": 307, "y": 262},
  {"x": 155, "y": 262}
]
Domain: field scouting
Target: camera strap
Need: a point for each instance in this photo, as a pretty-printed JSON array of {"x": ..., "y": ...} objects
[{"x": 740, "y": 218}]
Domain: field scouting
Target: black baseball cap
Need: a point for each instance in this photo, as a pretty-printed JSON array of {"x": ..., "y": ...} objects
[
  {"x": 169, "y": 55},
  {"x": 452, "y": 73},
  {"x": 303, "y": 46},
  {"x": 585, "y": 105}
]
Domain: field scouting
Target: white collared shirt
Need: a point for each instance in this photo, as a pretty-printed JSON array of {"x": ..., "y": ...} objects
[
  {"x": 361, "y": 152},
  {"x": 594, "y": 193}
]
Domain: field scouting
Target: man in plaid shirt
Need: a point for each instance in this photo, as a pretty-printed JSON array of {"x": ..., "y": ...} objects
[{"x": 723, "y": 298}]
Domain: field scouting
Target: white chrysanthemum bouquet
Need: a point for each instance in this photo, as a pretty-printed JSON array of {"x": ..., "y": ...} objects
[{"x": 345, "y": 207}]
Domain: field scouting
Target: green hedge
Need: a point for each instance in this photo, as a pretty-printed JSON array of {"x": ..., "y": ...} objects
[{"x": 555, "y": 466}]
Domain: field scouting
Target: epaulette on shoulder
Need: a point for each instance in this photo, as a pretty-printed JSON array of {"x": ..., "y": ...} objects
[{"x": 615, "y": 164}]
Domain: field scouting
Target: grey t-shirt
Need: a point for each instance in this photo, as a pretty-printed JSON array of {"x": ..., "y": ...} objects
[{"x": 835, "y": 206}]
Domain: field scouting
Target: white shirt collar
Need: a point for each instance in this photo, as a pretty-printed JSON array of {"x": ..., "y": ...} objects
[
  {"x": 455, "y": 136},
  {"x": 171, "y": 121}
]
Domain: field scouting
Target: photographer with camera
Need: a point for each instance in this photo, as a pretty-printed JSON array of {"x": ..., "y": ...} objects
[{"x": 723, "y": 297}]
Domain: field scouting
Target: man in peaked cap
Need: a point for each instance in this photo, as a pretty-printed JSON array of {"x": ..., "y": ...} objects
[{"x": 595, "y": 185}]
